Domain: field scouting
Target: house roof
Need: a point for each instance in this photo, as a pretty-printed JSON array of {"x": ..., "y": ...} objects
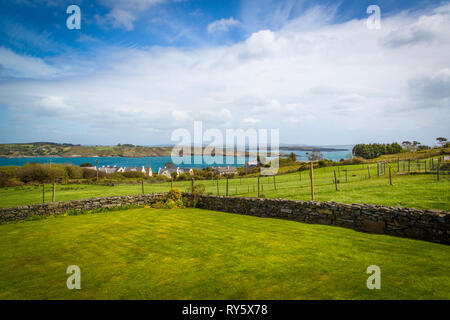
[
  {"x": 178, "y": 170},
  {"x": 133, "y": 169},
  {"x": 109, "y": 169},
  {"x": 168, "y": 170},
  {"x": 226, "y": 169}
]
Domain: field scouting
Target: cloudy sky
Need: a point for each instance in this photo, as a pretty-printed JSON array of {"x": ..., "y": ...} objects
[{"x": 138, "y": 69}]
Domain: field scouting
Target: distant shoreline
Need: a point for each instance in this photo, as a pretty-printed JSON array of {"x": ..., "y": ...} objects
[
  {"x": 312, "y": 149},
  {"x": 68, "y": 151}
]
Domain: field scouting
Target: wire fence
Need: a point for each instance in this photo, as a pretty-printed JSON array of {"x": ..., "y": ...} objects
[{"x": 337, "y": 177}]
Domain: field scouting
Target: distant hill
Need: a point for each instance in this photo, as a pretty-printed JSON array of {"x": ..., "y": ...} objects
[
  {"x": 306, "y": 148},
  {"x": 49, "y": 149}
]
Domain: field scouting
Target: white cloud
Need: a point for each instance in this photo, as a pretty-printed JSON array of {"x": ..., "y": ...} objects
[
  {"x": 222, "y": 25},
  {"x": 14, "y": 65},
  {"x": 251, "y": 120},
  {"x": 340, "y": 83},
  {"x": 124, "y": 13}
]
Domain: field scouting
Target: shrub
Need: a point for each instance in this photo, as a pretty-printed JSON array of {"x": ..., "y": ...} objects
[
  {"x": 133, "y": 174},
  {"x": 445, "y": 166},
  {"x": 167, "y": 203},
  {"x": 41, "y": 173},
  {"x": 325, "y": 163},
  {"x": 85, "y": 165},
  {"x": 12, "y": 182},
  {"x": 6, "y": 175},
  {"x": 184, "y": 177},
  {"x": 92, "y": 174},
  {"x": 355, "y": 160},
  {"x": 74, "y": 172},
  {"x": 174, "y": 194}
]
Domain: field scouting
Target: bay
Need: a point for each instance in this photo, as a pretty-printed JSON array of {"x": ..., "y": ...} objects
[{"x": 156, "y": 162}]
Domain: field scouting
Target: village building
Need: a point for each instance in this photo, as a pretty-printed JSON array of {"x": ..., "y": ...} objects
[
  {"x": 225, "y": 170},
  {"x": 167, "y": 172},
  {"x": 145, "y": 171}
]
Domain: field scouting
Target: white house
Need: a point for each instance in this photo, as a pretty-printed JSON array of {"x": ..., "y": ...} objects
[
  {"x": 225, "y": 170},
  {"x": 109, "y": 170},
  {"x": 147, "y": 172},
  {"x": 167, "y": 172},
  {"x": 115, "y": 169}
]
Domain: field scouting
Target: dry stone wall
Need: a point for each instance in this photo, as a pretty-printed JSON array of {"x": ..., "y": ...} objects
[
  {"x": 56, "y": 208},
  {"x": 430, "y": 225}
]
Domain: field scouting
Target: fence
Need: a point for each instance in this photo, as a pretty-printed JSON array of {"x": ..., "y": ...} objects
[{"x": 305, "y": 182}]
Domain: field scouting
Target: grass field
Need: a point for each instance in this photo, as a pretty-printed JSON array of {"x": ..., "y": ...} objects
[
  {"x": 421, "y": 191},
  {"x": 199, "y": 254}
]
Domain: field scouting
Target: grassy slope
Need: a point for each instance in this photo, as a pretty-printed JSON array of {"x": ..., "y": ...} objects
[
  {"x": 435, "y": 152},
  {"x": 419, "y": 191},
  {"x": 196, "y": 254}
]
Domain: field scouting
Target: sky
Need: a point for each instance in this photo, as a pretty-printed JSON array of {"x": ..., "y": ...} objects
[{"x": 139, "y": 69}]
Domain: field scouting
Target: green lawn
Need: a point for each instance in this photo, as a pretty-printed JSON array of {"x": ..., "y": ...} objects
[
  {"x": 198, "y": 254},
  {"x": 420, "y": 191}
]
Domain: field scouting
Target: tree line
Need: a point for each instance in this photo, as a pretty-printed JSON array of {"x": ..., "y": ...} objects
[{"x": 374, "y": 150}]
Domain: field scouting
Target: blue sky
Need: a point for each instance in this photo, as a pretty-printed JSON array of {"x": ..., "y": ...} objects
[{"x": 139, "y": 69}]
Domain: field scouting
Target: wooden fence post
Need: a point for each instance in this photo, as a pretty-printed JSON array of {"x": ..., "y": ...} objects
[
  {"x": 390, "y": 176},
  {"x": 53, "y": 194},
  {"x": 409, "y": 165},
  {"x": 378, "y": 169},
  {"x": 398, "y": 164},
  {"x": 274, "y": 182},
  {"x": 142, "y": 184},
  {"x": 311, "y": 174},
  {"x": 258, "y": 186},
  {"x": 43, "y": 193},
  {"x": 438, "y": 168},
  {"x": 335, "y": 180},
  {"x": 227, "y": 187},
  {"x": 96, "y": 161},
  {"x": 192, "y": 185}
]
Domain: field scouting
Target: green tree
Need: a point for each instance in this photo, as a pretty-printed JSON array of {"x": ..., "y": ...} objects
[
  {"x": 292, "y": 156},
  {"x": 441, "y": 141}
]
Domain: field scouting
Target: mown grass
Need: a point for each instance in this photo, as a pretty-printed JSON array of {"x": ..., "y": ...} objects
[
  {"x": 421, "y": 191},
  {"x": 198, "y": 254}
]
